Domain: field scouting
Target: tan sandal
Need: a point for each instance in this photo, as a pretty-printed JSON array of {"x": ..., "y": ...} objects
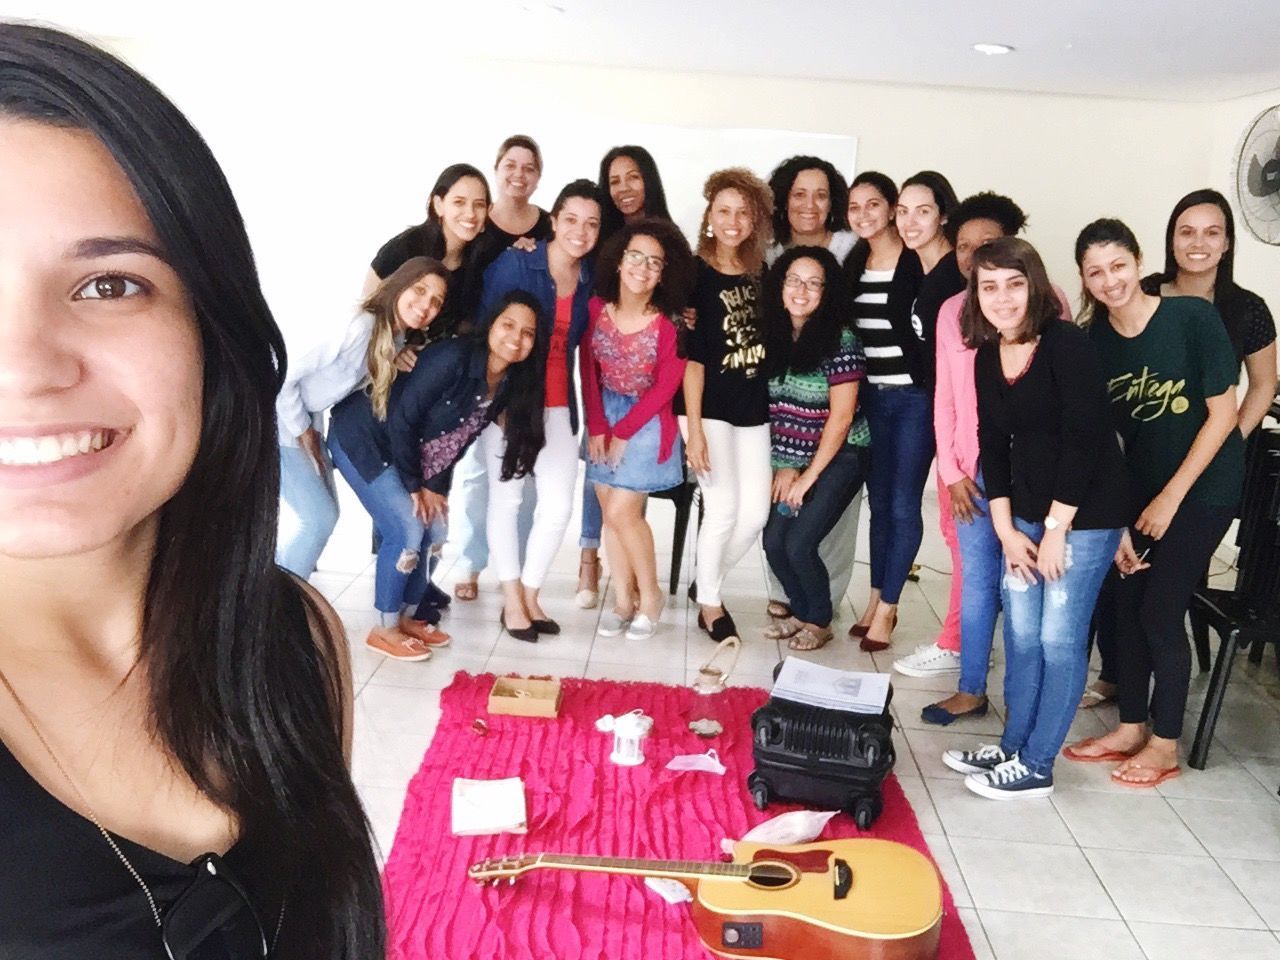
[
  {"x": 466, "y": 589},
  {"x": 806, "y": 639},
  {"x": 782, "y": 629},
  {"x": 778, "y": 610},
  {"x": 588, "y": 597}
]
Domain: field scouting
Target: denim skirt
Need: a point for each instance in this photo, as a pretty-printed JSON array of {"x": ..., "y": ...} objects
[{"x": 639, "y": 470}]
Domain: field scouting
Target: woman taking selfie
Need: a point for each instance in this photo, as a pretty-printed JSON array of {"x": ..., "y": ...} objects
[{"x": 175, "y": 712}]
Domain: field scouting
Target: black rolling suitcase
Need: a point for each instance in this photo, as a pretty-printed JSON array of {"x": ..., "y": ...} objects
[{"x": 829, "y": 759}]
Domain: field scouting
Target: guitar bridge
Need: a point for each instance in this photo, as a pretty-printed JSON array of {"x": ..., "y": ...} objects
[{"x": 843, "y": 879}]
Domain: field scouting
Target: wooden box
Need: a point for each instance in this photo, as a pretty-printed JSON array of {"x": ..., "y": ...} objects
[{"x": 525, "y": 696}]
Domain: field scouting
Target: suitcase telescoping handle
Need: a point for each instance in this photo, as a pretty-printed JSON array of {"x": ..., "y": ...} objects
[{"x": 711, "y": 678}]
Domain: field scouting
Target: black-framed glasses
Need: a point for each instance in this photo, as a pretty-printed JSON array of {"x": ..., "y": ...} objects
[
  {"x": 812, "y": 284},
  {"x": 213, "y": 919}
]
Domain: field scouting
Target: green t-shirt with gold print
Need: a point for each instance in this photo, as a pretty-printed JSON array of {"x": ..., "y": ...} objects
[{"x": 1158, "y": 382}]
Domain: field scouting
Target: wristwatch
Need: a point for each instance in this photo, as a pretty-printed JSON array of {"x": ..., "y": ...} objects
[{"x": 1052, "y": 523}]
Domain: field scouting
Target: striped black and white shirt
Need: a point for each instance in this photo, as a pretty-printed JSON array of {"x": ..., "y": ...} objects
[{"x": 886, "y": 363}]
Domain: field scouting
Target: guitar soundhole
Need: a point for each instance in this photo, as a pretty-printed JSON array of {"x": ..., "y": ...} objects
[{"x": 772, "y": 876}]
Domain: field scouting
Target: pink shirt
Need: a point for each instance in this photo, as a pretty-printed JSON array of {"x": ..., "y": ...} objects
[{"x": 955, "y": 398}]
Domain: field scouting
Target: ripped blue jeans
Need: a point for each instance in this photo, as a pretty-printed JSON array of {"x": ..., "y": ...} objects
[{"x": 1046, "y": 635}]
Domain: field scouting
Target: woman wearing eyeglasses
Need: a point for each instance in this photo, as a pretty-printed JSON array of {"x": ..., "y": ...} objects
[
  {"x": 630, "y": 373},
  {"x": 170, "y": 699},
  {"x": 819, "y": 436}
]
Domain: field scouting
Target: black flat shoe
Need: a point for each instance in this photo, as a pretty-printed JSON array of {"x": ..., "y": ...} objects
[
  {"x": 721, "y": 629},
  {"x": 527, "y": 634},
  {"x": 435, "y": 597},
  {"x": 548, "y": 627}
]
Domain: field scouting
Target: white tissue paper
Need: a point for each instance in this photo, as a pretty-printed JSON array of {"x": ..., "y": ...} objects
[
  {"x": 708, "y": 762},
  {"x": 798, "y": 826},
  {"x": 672, "y": 891}
]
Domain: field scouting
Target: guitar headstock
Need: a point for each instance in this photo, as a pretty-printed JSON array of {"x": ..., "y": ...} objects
[{"x": 507, "y": 868}]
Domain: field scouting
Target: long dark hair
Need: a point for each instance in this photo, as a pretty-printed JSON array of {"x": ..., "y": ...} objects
[
  {"x": 671, "y": 295},
  {"x": 1100, "y": 233},
  {"x": 525, "y": 387},
  {"x": 783, "y": 179},
  {"x": 242, "y": 690},
  {"x": 820, "y": 336},
  {"x": 1228, "y": 296},
  {"x": 655, "y": 198},
  {"x": 1043, "y": 308}
]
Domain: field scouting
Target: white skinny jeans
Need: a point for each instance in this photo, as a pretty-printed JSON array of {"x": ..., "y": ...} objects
[{"x": 554, "y": 475}]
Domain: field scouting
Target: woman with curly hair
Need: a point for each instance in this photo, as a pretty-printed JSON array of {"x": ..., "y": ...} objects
[
  {"x": 630, "y": 373},
  {"x": 819, "y": 436},
  {"x": 809, "y": 199},
  {"x": 726, "y": 395}
]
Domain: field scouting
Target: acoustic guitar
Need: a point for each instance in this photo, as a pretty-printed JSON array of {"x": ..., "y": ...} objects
[{"x": 858, "y": 899}]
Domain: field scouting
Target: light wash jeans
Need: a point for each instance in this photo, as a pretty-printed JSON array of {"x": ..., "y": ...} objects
[
  {"x": 981, "y": 567},
  {"x": 400, "y": 574},
  {"x": 308, "y": 511},
  {"x": 1046, "y": 645}
]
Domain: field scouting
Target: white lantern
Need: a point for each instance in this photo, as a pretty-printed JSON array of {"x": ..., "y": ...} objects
[{"x": 629, "y": 731}]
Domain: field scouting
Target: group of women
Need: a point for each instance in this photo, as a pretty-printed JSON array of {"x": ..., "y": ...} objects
[{"x": 821, "y": 336}]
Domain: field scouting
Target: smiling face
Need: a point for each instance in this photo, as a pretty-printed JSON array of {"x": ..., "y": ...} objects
[
  {"x": 512, "y": 334},
  {"x": 518, "y": 174},
  {"x": 918, "y": 217},
  {"x": 802, "y": 288},
  {"x": 626, "y": 186},
  {"x": 730, "y": 218},
  {"x": 421, "y": 302},
  {"x": 1200, "y": 238},
  {"x": 869, "y": 211},
  {"x": 577, "y": 226},
  {"x": 463, "y": 209},
  {"x": 101, "y": 368},
  {"x": 640, "y": 269},
  {"x": 971, "y": 235},
  {"x": 1003, "y": 294},
  {"x": 809, "y": 202},
  {"x": 1110, "y": 273}
]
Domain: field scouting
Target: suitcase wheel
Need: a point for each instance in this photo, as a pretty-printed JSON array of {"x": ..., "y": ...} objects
[
  {"x": 865, "y": 812},
  {"x": 760, "y": 794}
]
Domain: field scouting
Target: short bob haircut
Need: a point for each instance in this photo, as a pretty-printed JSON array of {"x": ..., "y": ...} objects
[
  {"x": 242, "y": 691},
  {"x": 944, "y": 195},
  {"x": 820, "y": 337},
  {"x": 783, "y": 179},
  {"x": 760, "y": 202},
  {"x": 655, "y": 198},
  {"x": 671, "y": 295},
  {"x": 1043, "y": 306},
  {"x": 519, "y": 140},
  {"x": 1098, "y": 234},
  {"x": 986, "y": 206}
]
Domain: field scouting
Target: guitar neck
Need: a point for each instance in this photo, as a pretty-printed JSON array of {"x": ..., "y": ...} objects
[{"x": 670, "y": 869}]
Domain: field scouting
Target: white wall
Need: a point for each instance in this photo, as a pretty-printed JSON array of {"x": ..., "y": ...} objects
[{"x": 329, "y": 156}]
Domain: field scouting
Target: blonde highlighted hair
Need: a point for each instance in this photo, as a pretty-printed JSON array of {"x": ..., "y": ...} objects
[
  {"x": 760, "y": 202},
  {"x": 381, "y": 355}
]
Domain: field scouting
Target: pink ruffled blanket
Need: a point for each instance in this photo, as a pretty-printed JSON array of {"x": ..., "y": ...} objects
[{"x": 581, "y": 803}]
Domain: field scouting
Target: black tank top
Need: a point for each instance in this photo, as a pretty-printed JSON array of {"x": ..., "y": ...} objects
[{"x": 65, "y": 895}]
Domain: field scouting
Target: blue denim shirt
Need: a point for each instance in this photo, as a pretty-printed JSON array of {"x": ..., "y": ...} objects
[
  {"x": 528, "y": 271},
  {"x": 434, "y": 398}
]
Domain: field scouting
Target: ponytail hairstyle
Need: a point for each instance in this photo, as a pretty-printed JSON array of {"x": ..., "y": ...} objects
[
  {"x": 381, "y": 355},
  {"x": 1100, "y": 233},
  {"x": 243, "y": 684},
  {"x": 525, "y": 387}
]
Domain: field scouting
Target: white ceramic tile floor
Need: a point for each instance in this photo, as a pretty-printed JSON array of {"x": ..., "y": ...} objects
[{"x": 1189, "y": 871}]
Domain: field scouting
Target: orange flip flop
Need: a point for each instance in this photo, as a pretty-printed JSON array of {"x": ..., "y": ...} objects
[
  {"x": 1166, "y": 774},
  {"x": 1112, "y": 756}
]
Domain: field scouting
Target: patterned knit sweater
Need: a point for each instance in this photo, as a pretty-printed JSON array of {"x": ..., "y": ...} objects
[{"x": 799, "y": 404}]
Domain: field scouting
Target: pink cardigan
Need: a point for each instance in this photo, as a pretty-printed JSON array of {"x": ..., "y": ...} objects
[
  {"x": 955, "y": 398},
  {"x": 656, "y": 401}
]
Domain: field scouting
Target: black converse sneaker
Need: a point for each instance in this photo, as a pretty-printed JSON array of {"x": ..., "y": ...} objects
[
  {"x": 1011, "y": 780},
  {"x": 985, "y": 758}
]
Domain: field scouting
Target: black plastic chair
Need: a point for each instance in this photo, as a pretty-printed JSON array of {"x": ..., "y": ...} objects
[{"x": 682, "y": 496}]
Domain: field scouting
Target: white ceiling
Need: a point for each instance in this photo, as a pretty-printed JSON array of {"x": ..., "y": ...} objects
[{"x": 1188, "y": 50}]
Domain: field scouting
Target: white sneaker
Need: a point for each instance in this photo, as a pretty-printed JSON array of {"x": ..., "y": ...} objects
[
  {"x": 928, "y": 660},
  {"x": 642, "y": 628}
]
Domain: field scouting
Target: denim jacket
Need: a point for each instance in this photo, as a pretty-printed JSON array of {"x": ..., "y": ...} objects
[
  {"x": 436, "y": 397},
  {"x": 528, "y": 271}
]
